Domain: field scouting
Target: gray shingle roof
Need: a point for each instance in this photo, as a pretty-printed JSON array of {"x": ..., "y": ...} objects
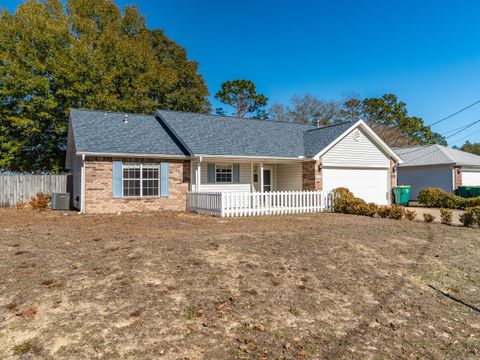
[
  {"x": 225, "y": 135},
  {"x": 317, "y": 139},
  {"x": 180, "y": 133},
  {"x": 106, "y": 132},
  {"x": 436, "y": 155}
]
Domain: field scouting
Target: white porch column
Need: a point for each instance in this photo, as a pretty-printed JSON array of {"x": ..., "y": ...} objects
[
  {"x": 261, "y": 177},
  {"x": 198, "y": 175},
  {"x": 252, "y": 187}
]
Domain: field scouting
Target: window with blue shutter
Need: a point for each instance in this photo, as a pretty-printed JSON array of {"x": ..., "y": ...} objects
[
  {"x": 164, "y": 170},
  {"x": 117, "y": 179}
]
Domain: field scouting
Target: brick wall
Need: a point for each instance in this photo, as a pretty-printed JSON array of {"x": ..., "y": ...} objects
[
  {"x": 98, "y": 185},
  {"x": 458, "y": 176},
  {"x": 393, "y": 177},
  {"x": 312, "y": 175}
]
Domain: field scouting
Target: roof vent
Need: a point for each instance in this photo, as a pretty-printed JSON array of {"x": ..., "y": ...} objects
[{"x": 125, "y": 118}]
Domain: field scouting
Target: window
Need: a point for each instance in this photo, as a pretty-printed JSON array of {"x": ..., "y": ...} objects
[
  {"x": 141, "y": 180},
  {"x": 223, "y": 173}
]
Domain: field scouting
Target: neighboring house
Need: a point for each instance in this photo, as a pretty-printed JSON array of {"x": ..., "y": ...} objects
[
  {"x": 437, "y": 166},
  {"x": 128, "y": 162}
]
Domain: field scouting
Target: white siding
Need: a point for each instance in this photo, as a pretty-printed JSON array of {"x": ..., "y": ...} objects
[
  {"x": 355, "y": 152},
  {"x": 289, "y": 177},
  {"x": 244, "y": 185},
  {"x": 419, "y": 177}
]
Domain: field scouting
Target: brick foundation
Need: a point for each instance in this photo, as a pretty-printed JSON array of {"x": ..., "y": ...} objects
[
  {"x": 98, "y": 188},
  {"x": 458, "y": 176},
  {"x": 312, "y": 175}
]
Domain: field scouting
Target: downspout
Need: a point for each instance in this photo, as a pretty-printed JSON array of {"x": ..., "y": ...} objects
[{"x": 82, "y": 186}]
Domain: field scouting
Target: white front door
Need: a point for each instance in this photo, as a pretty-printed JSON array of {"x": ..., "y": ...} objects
[{"x": 369, "y": 184}]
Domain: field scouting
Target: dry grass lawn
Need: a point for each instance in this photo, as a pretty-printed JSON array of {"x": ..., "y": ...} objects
[{"x": 183, "y": 286}]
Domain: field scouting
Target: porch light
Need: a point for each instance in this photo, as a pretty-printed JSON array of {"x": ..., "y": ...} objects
[
  {"x": 459, "y": 171},
  {"x": 394, "y": 169}
]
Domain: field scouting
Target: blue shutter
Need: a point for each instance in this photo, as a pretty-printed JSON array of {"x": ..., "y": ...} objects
[
  {"x": 164, "y": 170},
  {"x": 117, "y": 179},
  {"x": 236, "y": 173},
  {"x": 211, "y": 173}
]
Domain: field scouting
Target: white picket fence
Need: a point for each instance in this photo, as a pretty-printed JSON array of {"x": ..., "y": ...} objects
[{"x": 233, "y": 203}]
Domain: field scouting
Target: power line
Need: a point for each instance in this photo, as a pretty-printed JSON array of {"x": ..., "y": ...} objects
[
  {"x": 463, "y": 129},
  {"x": 455, "y": 113},
  {"x": 466, "y": 137}
]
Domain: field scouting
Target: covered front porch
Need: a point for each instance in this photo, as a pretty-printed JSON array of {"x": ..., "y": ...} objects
[
  {"x": 248, "y": 187},
  {"x": 246, "y": 175}
]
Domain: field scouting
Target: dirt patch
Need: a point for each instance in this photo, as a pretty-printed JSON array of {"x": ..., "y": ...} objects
[{"x": 182, "y": 286}]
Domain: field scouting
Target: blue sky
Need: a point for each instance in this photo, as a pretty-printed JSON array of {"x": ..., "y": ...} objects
[{"x": 426, "y": 52}]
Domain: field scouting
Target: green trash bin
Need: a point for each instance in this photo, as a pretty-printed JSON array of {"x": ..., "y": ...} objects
[
  {"x": 466, "y": 191},
  {"x": 402, "y": 194},
  {"x": 475, "y": 191}
]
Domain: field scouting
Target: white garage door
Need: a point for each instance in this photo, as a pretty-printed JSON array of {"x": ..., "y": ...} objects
[
  {"x": 370, "y": 185},
  {"x": 470, "y": 178}
]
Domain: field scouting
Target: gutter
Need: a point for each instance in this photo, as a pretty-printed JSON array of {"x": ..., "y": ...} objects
[{"x": 82, "y": 186}]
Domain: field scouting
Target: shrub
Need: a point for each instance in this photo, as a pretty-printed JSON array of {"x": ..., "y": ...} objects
[
  {"x": 434, "y": 197},
  {"x": 21, "y": 205},
  {"x": 342, "y": 199},
  {"x": 428, "y": 218},
  {"x": 467, "y": 219},
  {"x": 345, "y": 202},
  {"x": 410, "y": 214},
  {"x": 471, "y": 216},
  {"x": 446, "y": 216},
  {"x": 384, "y": 211},
  {"x": 396, "y": 212},
  {"x": 40, "y": 201},
  {"x": 371, "y": 209}
]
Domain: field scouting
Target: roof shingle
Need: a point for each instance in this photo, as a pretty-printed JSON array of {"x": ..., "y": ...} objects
[{"x": 436, "y": 155}]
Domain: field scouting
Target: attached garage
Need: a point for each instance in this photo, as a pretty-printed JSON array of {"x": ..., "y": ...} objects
[{"x": 359, "y": 161}]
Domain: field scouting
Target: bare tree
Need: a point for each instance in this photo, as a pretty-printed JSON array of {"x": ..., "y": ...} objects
[{"x": 307, "y": 109}]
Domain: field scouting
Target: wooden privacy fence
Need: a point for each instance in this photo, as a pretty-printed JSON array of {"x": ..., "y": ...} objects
[
  {"x": 16, "y": 188},
  {"x": 232, "y": 203}
]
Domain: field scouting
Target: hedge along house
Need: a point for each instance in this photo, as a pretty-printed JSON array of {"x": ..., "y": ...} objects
[
  {"x": 437, "y": 166},
  {"x": 129, "y": 162}
]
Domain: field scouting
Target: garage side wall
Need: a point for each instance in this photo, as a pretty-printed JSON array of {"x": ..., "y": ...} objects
[{"x": 99, "y": 187}]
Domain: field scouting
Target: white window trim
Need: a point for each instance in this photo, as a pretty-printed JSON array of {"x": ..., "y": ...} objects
[
  {"x": 224, "y": 182},
  {"x": 141, "y": 180}
]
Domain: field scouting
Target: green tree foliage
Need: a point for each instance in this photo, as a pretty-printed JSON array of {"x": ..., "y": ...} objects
[
  {"x": 243, "y": 97},
  {"x": 473, "y": 148},
  {"x": 388, "y": 113},
  {"x": 87, "y": 54}
]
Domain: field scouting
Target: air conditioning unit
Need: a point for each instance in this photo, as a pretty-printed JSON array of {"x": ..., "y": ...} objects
[{"x": 60, "y": 201}]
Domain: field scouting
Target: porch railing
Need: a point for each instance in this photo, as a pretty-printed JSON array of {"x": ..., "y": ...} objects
[{"x": 232, "y": 203}]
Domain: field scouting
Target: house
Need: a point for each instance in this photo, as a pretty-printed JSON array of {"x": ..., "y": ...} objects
[
  {"x": 437, "y": 166},
  {"x": 131, "y": 162}
]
